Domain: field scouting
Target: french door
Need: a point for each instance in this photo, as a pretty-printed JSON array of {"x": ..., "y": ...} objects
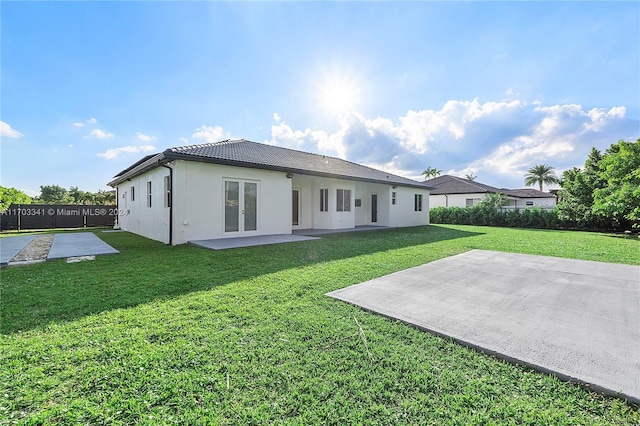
[
  {"x": 374, "y": 208},
  {"x": 295, "y": 208},
  {"x": 240, "y": 206}
]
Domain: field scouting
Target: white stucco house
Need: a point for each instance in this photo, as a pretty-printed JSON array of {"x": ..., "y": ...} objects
[
  {"x": 237, "y": 188},
  {"x": 452, "y": 191}
]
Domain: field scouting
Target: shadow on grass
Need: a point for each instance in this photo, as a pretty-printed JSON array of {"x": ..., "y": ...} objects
[{"x": 146, "y": 270}]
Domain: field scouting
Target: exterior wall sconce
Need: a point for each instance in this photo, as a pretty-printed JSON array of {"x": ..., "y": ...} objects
[
  {"x": 289, "y": 175},
  {"x": 394, "y": 187}
]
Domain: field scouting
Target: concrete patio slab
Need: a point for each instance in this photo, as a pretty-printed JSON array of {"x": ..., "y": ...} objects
[
  {"x": 10, "y": 246},
  {"x": 78, "y": 244},
  {"x": 311, "y": 232},
  {"x": 229, "y": 243},
  {"x": 579, "y": 320}
]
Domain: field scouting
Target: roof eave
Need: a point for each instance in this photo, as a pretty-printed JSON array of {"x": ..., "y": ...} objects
[
  {"x": 171, "y": 155},
  {"x": 144, "y": 167}
]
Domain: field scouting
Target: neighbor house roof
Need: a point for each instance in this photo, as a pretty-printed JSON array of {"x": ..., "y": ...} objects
[
  {"x": 447, "y": 184},
  {"x": 243, "y": 153}
]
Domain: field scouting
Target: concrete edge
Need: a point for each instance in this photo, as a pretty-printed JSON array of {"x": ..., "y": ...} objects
[
  {"x": 24, "y": 263},
  {"x": 301, "y": 238},
  {"x": 88, "y": 254},
  {"x": 512, "y": 360}
]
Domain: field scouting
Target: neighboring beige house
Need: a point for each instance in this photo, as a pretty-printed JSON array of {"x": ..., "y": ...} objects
[
  {"x": 238, "y": 188},
  {"x": 452, "y": 191}
]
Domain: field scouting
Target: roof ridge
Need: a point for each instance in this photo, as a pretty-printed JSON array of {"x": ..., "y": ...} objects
[
  {"x": 309, "y": 153},
  {"x": 201, "y": 145},
  {"x": 475, "y": 184}
]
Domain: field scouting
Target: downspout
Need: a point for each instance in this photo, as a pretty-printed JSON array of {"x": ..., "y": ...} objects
[
  {"x": 116, "y": 225},
  {"x": 170, "y": 203}
]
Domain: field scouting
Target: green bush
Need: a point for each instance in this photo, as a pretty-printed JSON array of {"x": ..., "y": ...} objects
[{"x": 514, "y": 218}]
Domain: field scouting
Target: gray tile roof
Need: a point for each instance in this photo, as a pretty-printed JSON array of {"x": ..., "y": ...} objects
[
  {"x": 447, "y": 184},
  {"x": 529, "y": 193},
  {"x": 243, "y": 153}
]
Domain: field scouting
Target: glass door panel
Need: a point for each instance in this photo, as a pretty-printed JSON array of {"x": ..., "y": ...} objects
[
  {"x": 231, "y": 206},
  {"x": 250, "y": 206},
  {"x": 295, "y": 214}
]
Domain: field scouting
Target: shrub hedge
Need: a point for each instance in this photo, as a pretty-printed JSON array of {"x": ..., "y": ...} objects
[{"x": 515, "y": 218}]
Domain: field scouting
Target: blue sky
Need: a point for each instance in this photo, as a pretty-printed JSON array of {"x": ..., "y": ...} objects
[{"x": 491, "y": 88}]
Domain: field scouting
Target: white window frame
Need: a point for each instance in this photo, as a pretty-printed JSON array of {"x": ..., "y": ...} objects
[
  {"x": 417, "y": 202},
  {"x": 324, "y": 199},
  {"x": 149, "y": 194},
  {"x": 167, "y": 191},
  {"x": 343, "y": 200}
]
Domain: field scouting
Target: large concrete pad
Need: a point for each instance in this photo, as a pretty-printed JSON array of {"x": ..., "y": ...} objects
[
  {"x": 229, "y": 243},
  {"x": 10, "y": 246},
  {"x": 359, "y": 228},
  {"x": 78, "y": 244},
  {"x": 577, "y": 319}
]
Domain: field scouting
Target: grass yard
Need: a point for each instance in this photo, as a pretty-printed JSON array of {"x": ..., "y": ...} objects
[{"x": 160, "y": 335}]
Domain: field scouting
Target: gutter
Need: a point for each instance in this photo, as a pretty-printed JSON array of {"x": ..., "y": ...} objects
[{"x": 170, "y": 203}]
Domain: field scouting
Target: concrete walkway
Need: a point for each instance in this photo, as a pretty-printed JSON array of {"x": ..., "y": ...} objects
[
  {"x": 10, "y": 246},
  {"x": 577, "y": 319},
  {"x": 261, "y": 240},
  {"x": 78, "y": 244},
  {"x": 64, "y": 245}
]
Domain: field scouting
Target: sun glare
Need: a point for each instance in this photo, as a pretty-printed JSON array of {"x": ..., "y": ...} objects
[{"x": 339, "y": 95}]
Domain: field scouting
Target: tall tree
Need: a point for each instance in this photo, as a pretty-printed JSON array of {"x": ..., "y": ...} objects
[
  {"x": 78, "y": 196},
  {"x": 539, "y": 174},
  {"x": 470, "y": 176},
  {"x": 10, "y": 196},
  {"x": 619, "y": 197},
  {"x": 431, "y": 172},
  {"x": 54, "y": 194}
]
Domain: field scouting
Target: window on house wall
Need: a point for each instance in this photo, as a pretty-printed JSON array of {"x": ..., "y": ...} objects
[
  {"x": 469, "y": 202},
  {"x": 357, "y": 202},
  {"x": 133, "y": 193},
  {"x": 324, "y": 200},
  {"x": 529, "y": 203},
  {"x": 149, "y": 194},
  {"x": 167, "y": 191},
  {"x": 417, "y": 202},
  {"x": 393, "y": 197},
  {"x": 343, "y": 200}
]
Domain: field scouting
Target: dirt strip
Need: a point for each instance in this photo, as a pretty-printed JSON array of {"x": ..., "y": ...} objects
[{"x": 38, "y": 249}]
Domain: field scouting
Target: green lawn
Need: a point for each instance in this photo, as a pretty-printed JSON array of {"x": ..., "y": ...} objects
[{"x": 157, "y": 335}]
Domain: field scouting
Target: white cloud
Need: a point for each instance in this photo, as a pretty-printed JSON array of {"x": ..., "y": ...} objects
[
  {"x": 145, "y": 138},
  {"x": 183, "y": 140},
  {"x": 498, "y": 141},
  {"x": 115, "y": 152},
  {"x": 89, "y": 121},
  {"x": 276, "y": 117},
  {"x": 6, "y": 131},
  {"x": 208, "y": 133},
  {"x": 98, "y": 134}
]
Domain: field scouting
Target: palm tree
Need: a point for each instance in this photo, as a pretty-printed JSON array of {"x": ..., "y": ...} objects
[
  {"x": 539, "y": 174},
  {"x": 431, "y": 172},
  {"x": 471, "y": 176}
]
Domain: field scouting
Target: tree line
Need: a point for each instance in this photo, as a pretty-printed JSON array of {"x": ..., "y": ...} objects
[
  {"x": 602, "y": 195},
  {"x": 55, "y": 194}
]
